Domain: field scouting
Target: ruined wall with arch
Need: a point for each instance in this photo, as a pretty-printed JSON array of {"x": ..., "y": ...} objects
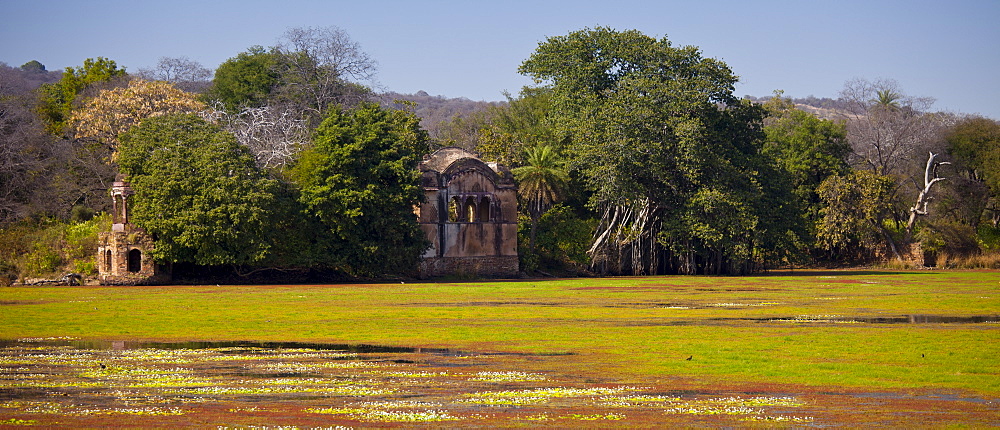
[{"x": 469, "y": 216}]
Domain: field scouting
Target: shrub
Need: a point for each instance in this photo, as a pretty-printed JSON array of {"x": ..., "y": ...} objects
[
  {"x": 989, "y": 237},
  {"x": 948, "y": 237},
  {"x": 8, "y": 273},
  {"x": 561, "y": 242},
  {"x": 42, "y": 261},
  {"x": 52, "y": 248}
]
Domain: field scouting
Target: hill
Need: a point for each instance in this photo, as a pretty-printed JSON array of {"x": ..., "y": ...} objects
[{"x": 433, "y": 110}]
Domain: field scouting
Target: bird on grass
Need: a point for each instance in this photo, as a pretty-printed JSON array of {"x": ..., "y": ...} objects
[{"x": 689, "y": 358}]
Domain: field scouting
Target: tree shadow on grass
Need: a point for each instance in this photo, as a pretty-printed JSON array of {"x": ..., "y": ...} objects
[{"x": 832, "y": 272}]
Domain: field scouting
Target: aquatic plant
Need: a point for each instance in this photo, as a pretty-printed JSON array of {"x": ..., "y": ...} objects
[
  {"x": 539, "y": 395},
  {"x": 17, "y": 422},
  {"x": 593, "y": 417},
  {"x": 512, "y": 376},
  {"x": 380, "y": 415}
]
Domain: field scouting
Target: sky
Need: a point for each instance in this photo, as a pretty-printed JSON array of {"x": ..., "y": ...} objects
[{"x": 470, "y": 48}]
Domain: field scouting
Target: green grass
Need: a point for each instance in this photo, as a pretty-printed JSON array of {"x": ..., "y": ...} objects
[{"x": 622, "y": 328}]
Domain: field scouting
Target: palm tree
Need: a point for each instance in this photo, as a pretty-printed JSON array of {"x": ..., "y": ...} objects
[
  {"x": 541, "y": 183},
  {"x": 887, "y": 99}
]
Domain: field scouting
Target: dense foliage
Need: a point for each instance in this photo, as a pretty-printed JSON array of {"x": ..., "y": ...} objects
[
  {"x": 113, "y": 112},
  {"x": 360, "y": 181},
  {"x": 633, "y": 156},
  {"x": 58, "y": 98},
  {"x": 673, "y": 157},
  {"x": 198, "y": 192}
]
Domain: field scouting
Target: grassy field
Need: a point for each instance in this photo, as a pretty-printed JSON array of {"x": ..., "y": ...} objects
[{"x": 811, "y": 331}]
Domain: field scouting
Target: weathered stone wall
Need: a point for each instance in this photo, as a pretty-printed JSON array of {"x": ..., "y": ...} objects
[
  {"x": 477, "y": 239},
  {"x": 494, "y": 266},
  {"x": 113, "y": 254}
]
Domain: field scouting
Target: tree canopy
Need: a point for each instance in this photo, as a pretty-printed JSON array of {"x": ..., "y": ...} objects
[
  {"x": 113, "y": 112},
  {"x": 57, "y": 98},
  {"x": 360, "y": 181},
  {"x": 977, "y": 141},
  {"x": 198, "y": 192},
  {"x": 808, "y": 148},
  {"x": 245, "y": 80},
  {"x": 672, "y": 156}
]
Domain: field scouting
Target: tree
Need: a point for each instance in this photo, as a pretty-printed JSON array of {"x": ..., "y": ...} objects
[
  {"x": 321, "y": 67},
  {"x": 924, "y": 197},
  {"x": 274, "y": 136},
  {"x": 856, "y": 208},
  {"x": 113, "y": 112},
  {"x": 975, "y": 143},
  {"x": 887, "y": 98},
  {"x": 33, "y": 66},
  {"x": 182, "y": 72},
  {"x": 887, "y": 129},
  {"x": 359, "y": 181},
  {"x": 58, "y": 98},
  {"x": 245, "y": 80},
  {"x": 523, "y": 123},
  {"x": 198, "y": 192},
  {"x": 672, "y": 156},
  {"x": 540, "y": 184},
  {"x": 808, "y": 148}
]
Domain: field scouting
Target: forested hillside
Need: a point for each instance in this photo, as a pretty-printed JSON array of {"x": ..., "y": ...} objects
[
  {"x": 434, "y": 111},
  {"x": 633, "y": 156}
]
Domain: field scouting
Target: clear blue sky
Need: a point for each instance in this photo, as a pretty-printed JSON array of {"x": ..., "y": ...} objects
[{"x": 468, "y": 48}]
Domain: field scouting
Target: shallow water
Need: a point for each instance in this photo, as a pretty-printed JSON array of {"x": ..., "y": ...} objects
[{"x": 87, "y": 383}]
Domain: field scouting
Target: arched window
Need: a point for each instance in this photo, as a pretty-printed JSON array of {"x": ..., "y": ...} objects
[
  {"x": 134, "y": 261},
  {"x": 107, "y": 261},
  {"x": 484, "y": 210},
  {"x": 453, "y": 210},
  {"x": 469, "y": 212}
]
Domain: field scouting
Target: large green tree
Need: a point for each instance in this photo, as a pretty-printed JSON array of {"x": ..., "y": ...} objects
[
  {"x": 359, "y": 181},
  {"x": 672, "y": 156},
  {"x": 198, "y": 192}
]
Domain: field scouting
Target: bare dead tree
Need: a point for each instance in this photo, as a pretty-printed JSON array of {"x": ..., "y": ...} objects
[
  {"x": 924, "y": 197},
  {"x": 887, "y": 128},
  {"x": 333, "y": 49},
  {"x": 273, "y": 135},
  {"x": 323, "y": 67}
]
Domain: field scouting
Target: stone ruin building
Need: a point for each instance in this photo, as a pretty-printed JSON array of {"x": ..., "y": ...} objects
[
  {"x": 469, "y": 216},
  {"x": 123, "y": 254}
]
